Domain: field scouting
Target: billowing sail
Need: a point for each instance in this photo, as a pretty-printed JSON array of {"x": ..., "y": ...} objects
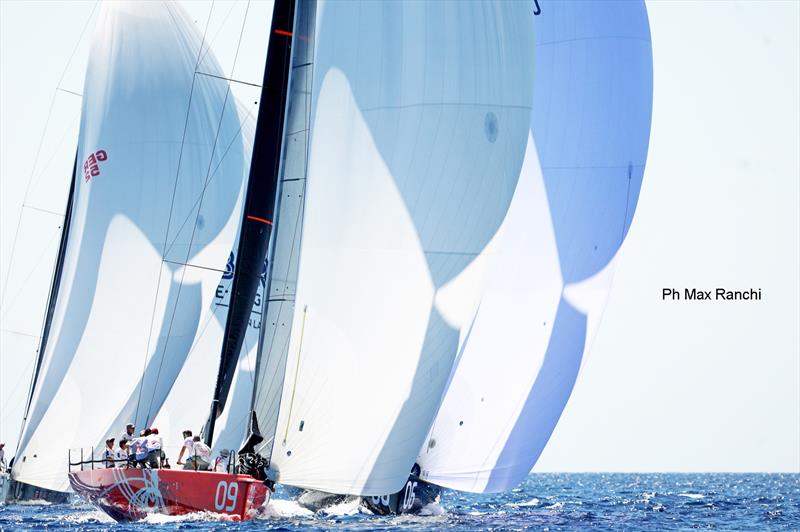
[
  {"x": 160, "y": 168},
  {"x": 548, "y": 273},
  {"x": 419, "y": 117}
]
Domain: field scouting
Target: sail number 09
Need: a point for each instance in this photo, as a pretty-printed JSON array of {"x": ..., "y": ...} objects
[{"x": 225, "y": 498}]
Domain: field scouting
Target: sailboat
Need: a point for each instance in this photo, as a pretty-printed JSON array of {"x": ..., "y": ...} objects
[
  {"x": 151, "y": 218},
  {"x": 538, "y": 290}
]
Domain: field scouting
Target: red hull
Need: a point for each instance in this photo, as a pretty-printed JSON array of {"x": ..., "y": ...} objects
[{"x": 130, "y": 494}]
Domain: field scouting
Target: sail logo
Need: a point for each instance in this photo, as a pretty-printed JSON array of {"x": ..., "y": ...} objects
[
  {"x": 229, "y": 267},
  {"x": 91, "y": 167}
]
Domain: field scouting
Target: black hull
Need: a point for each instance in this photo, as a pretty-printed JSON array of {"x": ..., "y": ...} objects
[
  {"x": 20, "y": 492},
  {"x": 412, "y": 499}
]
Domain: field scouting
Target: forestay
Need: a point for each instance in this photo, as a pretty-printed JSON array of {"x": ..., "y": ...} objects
[
  {"x": 159, "y": 171},
  {"x": 548, "y": 273},
  {"x": 419, "y": 117}
]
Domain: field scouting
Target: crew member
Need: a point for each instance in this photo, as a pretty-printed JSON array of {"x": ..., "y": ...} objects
[
  {"x": 121, "y": 454},
  {"x": 108, "y": 453},
  {"x": 2, "y": 458},
  {"x": 154, "y": 445},
  {"x": 188, "y": 446},
  {"x": 202, "y": 455},
  {"x": 140, "y": 448},
  {"x": 222, "y": 461},
  {"x": 129, "y": 433}
]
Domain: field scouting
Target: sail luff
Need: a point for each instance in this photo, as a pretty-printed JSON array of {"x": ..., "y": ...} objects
[{"x": 260, "y": 201}]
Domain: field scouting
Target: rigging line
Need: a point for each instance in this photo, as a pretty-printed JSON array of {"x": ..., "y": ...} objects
[
  {"x": 61, "y": 214},
  {"x": 188, "y": 265},
  {"x": 171, "y": 206},
  {"x": 41, "y": 143},
  {"x": 197, "y": 201},
  {"x": 37, "y": 263},
  {"x": 72, "y": 125},
  {"x": 213, "y": 39},
  {"x": 69, "y": 92},
  {"x": 19, "y": 381},
  {"x": 199, "y": 207},
  {"x": 20, "y": 333},
  {"x": 229, "y": 79}
]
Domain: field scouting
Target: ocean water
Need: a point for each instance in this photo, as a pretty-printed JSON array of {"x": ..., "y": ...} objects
[{"x": 544, "y": 502}]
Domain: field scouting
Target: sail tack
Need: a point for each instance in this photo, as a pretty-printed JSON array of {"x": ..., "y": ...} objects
[
  {"x": 548, "y": 273},
  {"x": 158, "y": 176}
]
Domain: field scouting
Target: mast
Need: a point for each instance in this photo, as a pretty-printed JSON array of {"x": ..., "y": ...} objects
[
  {"x": 51, "y": 300},
  {"x": 260, "y": 200}
]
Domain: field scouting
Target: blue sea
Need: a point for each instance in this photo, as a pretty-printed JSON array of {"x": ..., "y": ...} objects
[{"x": 544, "y": 502}]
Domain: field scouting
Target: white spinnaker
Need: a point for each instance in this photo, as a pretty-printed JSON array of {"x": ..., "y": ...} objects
[
  {"x": 154, "y": 217},
  {"x": 547, "y": 277},
  {"x": 419, "y": 121}
]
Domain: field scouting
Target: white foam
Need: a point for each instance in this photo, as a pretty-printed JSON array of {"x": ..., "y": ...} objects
[
  {"x": 92, "y": 516},
  {"x": 33, "y": 502},
  {"x": 160, "y": 519},
  {"x": 692, "y": 495},
  {"x": 350, "y": 506},
  {"x": 532, "y": 502},
  {"x": 285, "y": 508},
  {"x": 432, "y": 509}
]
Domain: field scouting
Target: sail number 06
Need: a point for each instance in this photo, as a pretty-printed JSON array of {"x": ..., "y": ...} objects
[{"x": 225, "y": 498}]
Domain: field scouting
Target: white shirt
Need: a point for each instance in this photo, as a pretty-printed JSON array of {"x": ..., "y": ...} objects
[
  {"x": 188, "y": 444},
  {"x": 139, "y": 447},
  {"x": 108, "y": 456},
  {"x": 221, "y": 463},
  {"x": 126, "y": 436},
  {"x": 154, "y": 442},
  {"x": 121, "y": 456},
  {"x": 202, "y": 451}
]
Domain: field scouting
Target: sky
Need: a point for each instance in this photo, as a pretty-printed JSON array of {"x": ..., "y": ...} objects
[{"x": 668, "y": 385}]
